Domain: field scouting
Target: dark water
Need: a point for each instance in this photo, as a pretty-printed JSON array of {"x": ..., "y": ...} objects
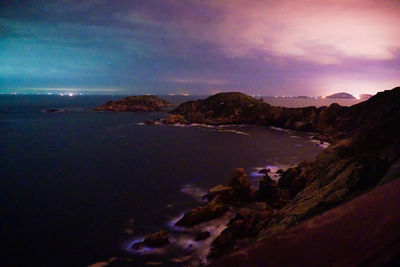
[{"x": 75, "y": 185}]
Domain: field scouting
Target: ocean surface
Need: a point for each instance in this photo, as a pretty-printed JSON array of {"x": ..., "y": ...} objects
[{"x": 78, "y": 187}]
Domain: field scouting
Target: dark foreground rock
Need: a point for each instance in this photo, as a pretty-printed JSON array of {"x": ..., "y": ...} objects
[
  {"x": 135, "y": 103},
  {"x": 361, "y": 232}
]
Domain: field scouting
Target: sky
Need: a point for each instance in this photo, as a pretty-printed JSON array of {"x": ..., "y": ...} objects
[{"x": 269, "y": 47}]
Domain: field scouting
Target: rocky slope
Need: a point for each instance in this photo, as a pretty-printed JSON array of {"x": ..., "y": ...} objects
[
  {"x": 361, "y": 232},
  {"x": 366, "y": 154},
  {"x": 135, "y": 103}
]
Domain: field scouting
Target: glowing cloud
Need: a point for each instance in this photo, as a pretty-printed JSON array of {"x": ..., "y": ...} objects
[{"x": 325, "y": 32}]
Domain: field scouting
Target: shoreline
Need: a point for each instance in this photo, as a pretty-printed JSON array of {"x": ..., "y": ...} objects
[
  {"x": 361, "y": 156},
  {"x": 181, "y": 238}
]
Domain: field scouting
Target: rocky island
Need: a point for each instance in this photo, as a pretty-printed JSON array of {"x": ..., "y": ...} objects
[
  {"x": 341, "y": 95},
  {"x": 135, "y": 103},
  {"x": 236, "y": 108},
  {"x": 365, "y": 154}
]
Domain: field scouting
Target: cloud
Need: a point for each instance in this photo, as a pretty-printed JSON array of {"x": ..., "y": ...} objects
[
  {"x": 263, "y": 47},
  {"x": 325, "y": 32}
]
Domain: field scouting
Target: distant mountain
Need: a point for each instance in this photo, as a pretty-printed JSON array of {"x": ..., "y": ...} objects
[{"x": 341, "y": 96}]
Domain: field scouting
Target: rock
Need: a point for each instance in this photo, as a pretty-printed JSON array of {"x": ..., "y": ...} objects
[
  {"x": 135, "y": 103},
  {"x": 53, "y": 110},
  {"x": 287, "y": 177},
  {"x": 150, "y": 122},
  {"x": 202, "y": 236},
  {"x": 224, "y": 242},
  {"x": 225, "y": 192},
  {"x": 245, "y": 225},
  {"x": 138, "y": 246},
  {"x": 201, "y": 214},
  {"x": 174, "y": 119},
  {"x": 265, "y": 171},
  {"x": 294, "y": 179},
  {"x": 240, "y": 184},
  {"x": 269, "y": 192},
  {"x": 158, "y": 239}
]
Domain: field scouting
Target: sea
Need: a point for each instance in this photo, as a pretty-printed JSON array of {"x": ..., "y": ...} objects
[{"x": 78, "y": 187}]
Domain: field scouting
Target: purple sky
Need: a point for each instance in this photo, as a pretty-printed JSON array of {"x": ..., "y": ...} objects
[{"x": 271, "y": 47}]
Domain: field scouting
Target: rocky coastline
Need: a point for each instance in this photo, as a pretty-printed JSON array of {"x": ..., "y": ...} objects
[{"x": 364, "y": 154}]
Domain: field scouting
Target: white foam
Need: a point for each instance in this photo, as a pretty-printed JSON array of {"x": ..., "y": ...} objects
[
  {"x": 320, "y": 143},
  {"x": 234, "y": 131},
  {"x": 127, "y": 246},
  {"x": 279, "y": 129},
  {"x": 194, "y": 191},
  {"x": 201, "y": 248},
  {"x": 273, "y": 169}
]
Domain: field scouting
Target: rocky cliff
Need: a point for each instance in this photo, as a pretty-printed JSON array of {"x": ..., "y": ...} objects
[
  {"x": 135, "y": 103},
  {"x": 238, "y": 108},
  {"x": 331, "y": 123}
]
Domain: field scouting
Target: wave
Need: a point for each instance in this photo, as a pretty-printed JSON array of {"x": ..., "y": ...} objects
[
  {"x": 196, "y": 192},
  {"x": 234, "y": 131}
]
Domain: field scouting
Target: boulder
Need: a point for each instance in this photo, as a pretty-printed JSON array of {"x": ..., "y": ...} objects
[
  {"x": 138, "y": 246},
  {"x": 269, "y": 191},
  {"x": 264, "y": 171},
  {"x": 246, "y": 224},
  {"x": 240, "y": 184},
  {"x": 287, "y": 177},
  {"x": 225, "y": 192},
  {"x": 158, "y": 239},
  {"x": 200, "y": 214},
  {"x": 174, "y": 119}
]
